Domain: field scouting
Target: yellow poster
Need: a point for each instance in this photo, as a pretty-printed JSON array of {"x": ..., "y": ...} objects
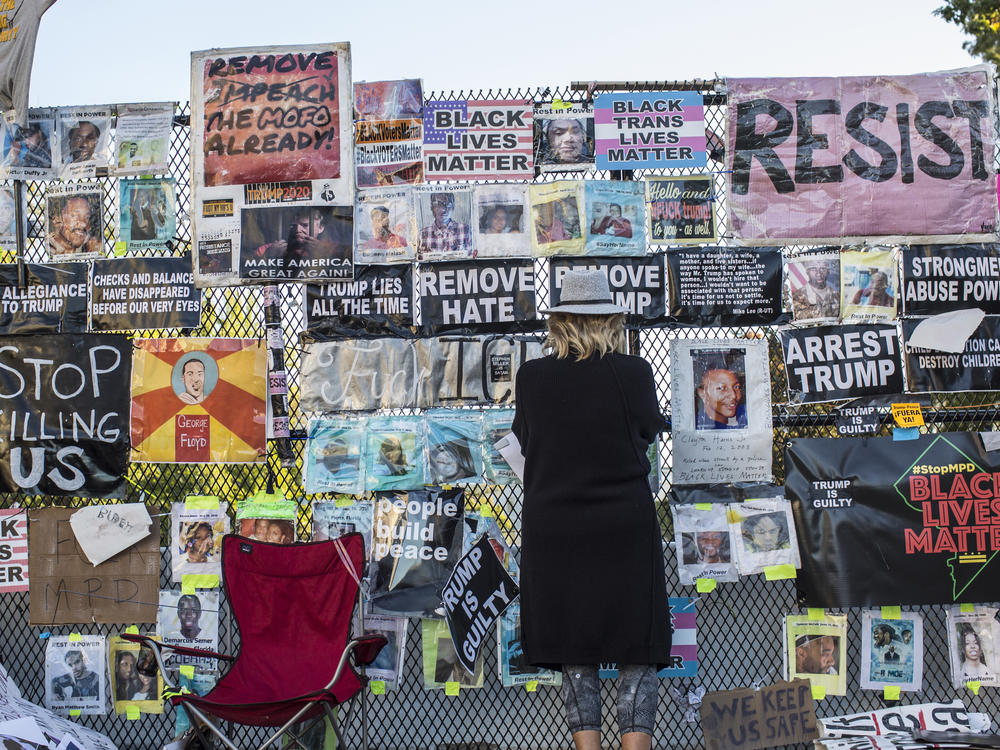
[{"x": 199, "y": 400}]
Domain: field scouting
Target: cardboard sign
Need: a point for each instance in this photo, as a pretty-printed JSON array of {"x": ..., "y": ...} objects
[
  {"x": 55, "y": 300},
  {"x": 13, "y": 550},
  {"x": 748, "y": 719},
  {"x": 476, "y": 594},
  {"x": 144, "y": 293},
  {"x": 67, "y": 589}
]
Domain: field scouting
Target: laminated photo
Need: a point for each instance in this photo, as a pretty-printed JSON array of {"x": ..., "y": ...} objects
[
  {"x": 763, "y": 533},
  {"x": 557, "y": 218},
  {"x": 441, "y": 663},
  {"x": 74, "y": 674},
  {"x": 84, "y": 138},
  {"x": 334, "y": 455},
  {"x": 266, "y": 520},
  {"x": 135, "y": 677},
  {"x": 385, "y": 227},
  {"x": 511, "y": 665},
  {"x": 444, "y": 221},
  {"x": 703, "y": 543},
  {"x": 190, "y": 620},
  {"x": 148, "y": 212},
  {"x": 615, "y": 220},
  {"x": 394, "y": 458},
  {"x": 496, "y": 426},
  {"x": 330, "y": 521},
  {"x": 501, "y": 216},
  {"x": 721, "y": 401},
  {"x": 390, "y": 659},
  {"x": 197, "y": 526},
  {"x": 892, "y": 650},
  {"x": 814, "y": 287},
  {"x": 30, "y": 151},
  {"x": 869, "y": 286},
  {"x": 453, "y": 447},
  {"x": 973, "y": 642},
  {"x": 74, "y": 221},
  {"x": 816, "y": 650},
  {"x": 388, "y": 133},
  {"x": 197, "y": 683},
  {"x": 564, "y": 136},
  {"x": 143, "y": 138}
]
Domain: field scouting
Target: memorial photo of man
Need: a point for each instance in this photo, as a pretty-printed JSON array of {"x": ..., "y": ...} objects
[
  {"x": 80, "y": 142},
  {"x": 819, "y": 297},
  {"x": 608, "y": 220},
  {"x": 81, "y": 682},
  {"x": 383, "y": 238},
  {"x": 75, "y": 226},
  {"x": 444, "y": 234},
  {"x": 189, "y": 617},
  {"x": 29, "y": 147},
  {"x": 720, "y": 392},
  {"x": 816, "y": 654},
  {"x": 567, "y": 141}
]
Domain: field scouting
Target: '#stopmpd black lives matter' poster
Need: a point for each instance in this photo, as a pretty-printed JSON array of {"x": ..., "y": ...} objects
[{"x": 884, "y": 522}]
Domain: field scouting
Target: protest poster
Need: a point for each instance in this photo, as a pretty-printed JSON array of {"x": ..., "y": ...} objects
[
  {"x": 512, "y": 668},
  {"x": 496, "y": 426},
  {"x": 393, "y": 373},
  {"x": 67, "y": 589},
  {"x": 703, "y": 543},
  {"x": 926, "y": 501},
  {"x": 64, "y": 414},
  {"x": 198, "y": 400},
  {"x": 332, "y": 520},
  {"x": 74, "y": 674},
  {"x": 335, "y": 455},
  {"x": 394, "y": 453},
  {"x": 388, "y": 665},
  {"x": 143, "y": 137},
  {"x": 150, "y": 219},
  {"x": 54, "y": 301},
  {"x": 416, "y": 542},
  {"x": 144, "y": 293},
  {"x": 557, "y": 215},
  {"x": 476, "y": 139},
  {"x": 266, "y": 518},
  {"x": 636, "y": 283},
  {"x": 725, "y": 285},
  {"x": 84, "y": 140},
  {"x": 683, "y": 642},
  {"x": 942, "y": 278},
  {"x": 858, "y": 418},
  {"x": 892, "y": 650},
  {"x": 680, "y": 210},
  {"x": 13, "y": 550},
  {"x": 440, "y": 659},
  {"x": 192, "y": 621},
  {"x": 8, "y": 215},
  {"x": 614, "y": 218},
  {"x": 388, "y": 133},
  {"x": 385, "y": 227},
  {"x": 135, "y": 677},
  {"x": 564, "y": 136},
  {"x": 975, "y": 368},
  {"x": 453, "y": 447},
  {"x": 901, "y": 718},
  {"x": 853, "y": 171},
  {"x": 197, "y": 526},
  {"x": 279, "y": 165},
  {"x": 754, "y": 718},
  {"x": 816, "y": 650},
  {"x": 492, "y": 294},
  {"x": 378, "y": 300},
  {"x": 721, "y": 402},
  {"x": 814, "y": 287},
  {"x": 500, "y": 212},
  {"x": 74, "y": 221},
  {"x": 836, "y": 362},
  {"x": 476, "y": 594},
  {"x": 973, "y": 642},
  {"x": 30, "y": 150},
  {"x": 444, "y": 218},
  {"x": 763, "y": 534},
  {"x": 868, "y": 285},
  {"x": 650, "y": 130}
]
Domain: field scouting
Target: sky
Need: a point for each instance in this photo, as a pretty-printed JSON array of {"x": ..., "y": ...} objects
[{"x": 114, "y": 51}]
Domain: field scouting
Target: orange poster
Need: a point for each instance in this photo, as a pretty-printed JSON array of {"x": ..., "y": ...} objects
[{"x": 199, "y": 400}]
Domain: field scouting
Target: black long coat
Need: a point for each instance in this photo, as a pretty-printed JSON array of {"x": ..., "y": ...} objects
[{"x": 592, "y": 581}]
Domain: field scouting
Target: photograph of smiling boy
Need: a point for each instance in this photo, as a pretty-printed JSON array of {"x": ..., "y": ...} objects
[{"x": 720, "y": 389}]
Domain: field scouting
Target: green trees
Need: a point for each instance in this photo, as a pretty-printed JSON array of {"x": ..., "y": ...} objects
[{"x": 981, "y": 19}]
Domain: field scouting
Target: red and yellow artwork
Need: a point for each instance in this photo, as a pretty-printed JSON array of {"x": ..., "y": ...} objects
[{"x": 199, "y": 400}]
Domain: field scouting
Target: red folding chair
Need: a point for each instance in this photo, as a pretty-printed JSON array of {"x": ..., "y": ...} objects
[{"x": 292, "y": 605}]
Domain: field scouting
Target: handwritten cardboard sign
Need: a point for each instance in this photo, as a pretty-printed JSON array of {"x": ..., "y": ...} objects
[
  {"x": 67, "y": 589},
  {"x": 748, "y": 719},
  {"x": 103, "y": 531}
]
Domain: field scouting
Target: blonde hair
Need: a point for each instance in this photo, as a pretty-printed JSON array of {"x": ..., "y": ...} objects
[{"x": 584, "y": 336}]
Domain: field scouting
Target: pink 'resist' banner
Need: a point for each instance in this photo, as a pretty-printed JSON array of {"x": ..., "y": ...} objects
[{"x": 828, "y": 159}]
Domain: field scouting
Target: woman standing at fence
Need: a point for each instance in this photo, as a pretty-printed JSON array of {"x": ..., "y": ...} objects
[{"x": 592, "y": 582}]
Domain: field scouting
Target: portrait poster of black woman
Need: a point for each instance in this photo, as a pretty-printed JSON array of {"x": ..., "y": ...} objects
[
  {"x": 273, "y": 131},
  {"x": 895, "y": 522}
]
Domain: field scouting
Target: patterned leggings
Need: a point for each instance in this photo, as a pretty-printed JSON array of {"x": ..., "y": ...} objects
[{"x": 638, "y": 693}]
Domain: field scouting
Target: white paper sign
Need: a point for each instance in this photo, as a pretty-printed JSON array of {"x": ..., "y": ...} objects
[{"x": 103, "y": 531}]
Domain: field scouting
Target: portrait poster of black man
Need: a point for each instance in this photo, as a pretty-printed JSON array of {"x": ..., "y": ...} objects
[
  {"x": 828, "y": 159},
  {"x": 721, "y": 403},
  {"x": 564, "y": 136},
  {"x": 271, "y": 126},
  {"x": 84, "y": 140},
  {"x": 74, "y": 221},
  {"x": 74, "y": 674},
  {"x": 198, "y": 400}
]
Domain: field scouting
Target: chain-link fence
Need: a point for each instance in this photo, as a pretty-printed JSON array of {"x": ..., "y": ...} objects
[{"x": 739, "y": 640}]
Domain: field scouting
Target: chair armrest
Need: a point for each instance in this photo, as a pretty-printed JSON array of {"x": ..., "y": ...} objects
[
  {"x": 186, "y": 650},
  {"x": 366, "y": 648}
]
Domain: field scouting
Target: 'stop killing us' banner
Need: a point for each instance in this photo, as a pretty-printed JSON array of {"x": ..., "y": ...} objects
[{"x": 829, "y": 159}]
